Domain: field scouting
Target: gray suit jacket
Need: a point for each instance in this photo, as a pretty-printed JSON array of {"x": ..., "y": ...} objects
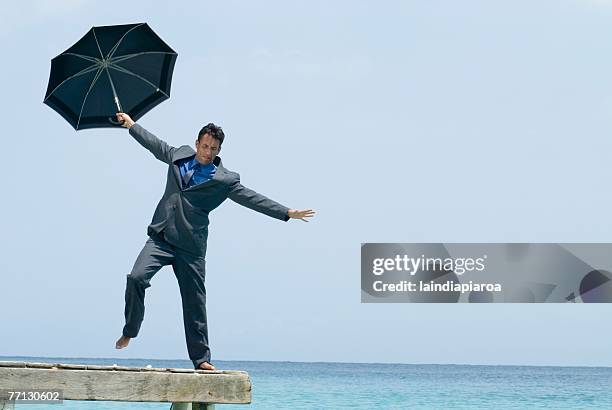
[{"x": 183, "y": 213}]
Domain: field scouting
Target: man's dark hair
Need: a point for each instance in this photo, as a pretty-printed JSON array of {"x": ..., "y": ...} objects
[{"x": 215, "y": 131}]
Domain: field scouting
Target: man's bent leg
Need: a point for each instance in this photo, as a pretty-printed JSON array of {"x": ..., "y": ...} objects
[
  {"x": 190, "y": 270},
  {"x": 154, "y": 255}
]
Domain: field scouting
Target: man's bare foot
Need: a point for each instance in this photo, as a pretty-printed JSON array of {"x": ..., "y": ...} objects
[
  {"x": 206, "y": 366},
  {"x": 122, "y": 342}
]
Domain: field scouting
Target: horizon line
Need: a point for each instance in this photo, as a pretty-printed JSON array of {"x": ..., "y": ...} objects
[{"x": 317, "y": 362}]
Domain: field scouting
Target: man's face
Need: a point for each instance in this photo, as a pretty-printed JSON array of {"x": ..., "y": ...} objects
[{"x": 207, "y": 149}]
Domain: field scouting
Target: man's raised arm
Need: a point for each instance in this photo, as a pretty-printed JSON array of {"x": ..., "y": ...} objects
[{"x": 159, "y": 148}]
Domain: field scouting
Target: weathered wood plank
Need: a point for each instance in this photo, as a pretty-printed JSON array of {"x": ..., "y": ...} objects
[
  {"x": 12, "y": 364},
  {"x": 108, "y": 367},
  {"x": 117, "y": 383}
]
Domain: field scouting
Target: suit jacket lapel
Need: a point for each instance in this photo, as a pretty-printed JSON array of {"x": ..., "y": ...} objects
[
  {"x": 182, "y": 153},
  {"x": 219, "y": 174}
]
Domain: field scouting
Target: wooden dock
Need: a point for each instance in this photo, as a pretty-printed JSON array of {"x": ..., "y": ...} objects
[{"x": 185, "y": 388}]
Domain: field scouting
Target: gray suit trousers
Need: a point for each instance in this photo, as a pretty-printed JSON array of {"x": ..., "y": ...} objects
[{"x": 190, "y": 271}]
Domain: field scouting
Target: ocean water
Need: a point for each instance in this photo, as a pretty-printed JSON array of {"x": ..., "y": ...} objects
[{"x": 291, "y": 385}]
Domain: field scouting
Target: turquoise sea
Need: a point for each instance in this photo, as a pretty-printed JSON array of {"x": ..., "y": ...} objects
[{"x": 291, "y": 385}]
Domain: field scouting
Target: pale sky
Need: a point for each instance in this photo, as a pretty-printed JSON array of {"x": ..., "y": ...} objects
[{"x": 407, "y": 121}]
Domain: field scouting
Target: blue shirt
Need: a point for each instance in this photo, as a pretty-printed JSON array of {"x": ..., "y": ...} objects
[{"x": 201, "y": 174}]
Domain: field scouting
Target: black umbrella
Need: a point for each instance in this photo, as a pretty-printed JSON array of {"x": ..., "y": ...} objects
[{"x": 124, "y": 68}]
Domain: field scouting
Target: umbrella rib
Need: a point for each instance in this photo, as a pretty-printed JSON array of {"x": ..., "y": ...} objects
[
  {"x": 126, "y": 71},
  {"x": 87, "y": 95},
  {"x": 114, "y": 48},
  {"x": 128, "y": 56},
  {"x": 84, "y": 71},
  {"x": 93, "y": 30},
  {"x": 84, "y": 57}
]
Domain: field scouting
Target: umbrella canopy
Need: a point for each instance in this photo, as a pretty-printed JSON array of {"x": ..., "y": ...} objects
[{"x": 123, "y": 68}]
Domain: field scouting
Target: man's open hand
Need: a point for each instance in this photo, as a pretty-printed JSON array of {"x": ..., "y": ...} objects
[
  {"x": 295, "y": 214},
  {"x": 125, "y": 120}
]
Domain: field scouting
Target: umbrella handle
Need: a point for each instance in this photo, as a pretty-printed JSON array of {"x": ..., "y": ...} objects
[{"x": 114, "y": 121}]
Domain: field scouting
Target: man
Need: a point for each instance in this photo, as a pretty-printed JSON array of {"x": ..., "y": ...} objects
[{"x": 197, "y": 182}]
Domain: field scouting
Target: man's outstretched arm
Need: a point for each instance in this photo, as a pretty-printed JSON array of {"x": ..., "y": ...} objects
[
  {"x": 159, "y": 148},
  {"x": 257, "y": 202}
]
